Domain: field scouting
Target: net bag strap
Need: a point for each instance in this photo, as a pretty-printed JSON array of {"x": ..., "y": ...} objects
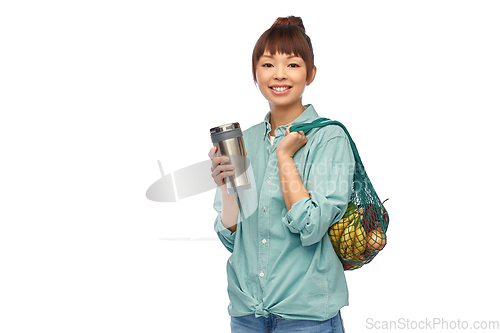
[{"x": 320, "y": 122}]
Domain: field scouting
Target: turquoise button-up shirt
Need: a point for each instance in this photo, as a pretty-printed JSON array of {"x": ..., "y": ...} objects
[{"x": 283, "y": 262}]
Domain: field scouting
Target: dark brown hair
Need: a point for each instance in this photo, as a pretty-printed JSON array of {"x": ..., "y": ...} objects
[{"x": 287, "y": 35}]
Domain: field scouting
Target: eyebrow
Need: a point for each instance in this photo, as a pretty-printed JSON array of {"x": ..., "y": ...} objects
[{"x": 272, "y": 56}]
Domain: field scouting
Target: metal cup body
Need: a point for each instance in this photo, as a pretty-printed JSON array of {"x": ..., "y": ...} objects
[{"x": 229, "y": 139}]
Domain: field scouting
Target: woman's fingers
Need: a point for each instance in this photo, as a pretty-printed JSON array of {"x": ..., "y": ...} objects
[
  {"x": 221, "y": 172},
  {"x": 216, "y": 160},
  {"x": 222, "y": 167},
  {"x": 219, "y": 169},
  {"x": 211, "y": 152},
  {"x": 219, "y": 160},
  {"x": 288, "y": 131}
]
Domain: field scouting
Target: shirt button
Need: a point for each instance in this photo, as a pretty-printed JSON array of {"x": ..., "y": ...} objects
[
  {"x": 261, "y": 274},
  {"x": 264, "y": 209},
  {"x": 264, "y": 241},
  {"x": 268, "y": 179}
]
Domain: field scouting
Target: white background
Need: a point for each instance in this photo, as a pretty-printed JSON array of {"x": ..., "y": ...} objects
[{"x": 93, "y": 93}]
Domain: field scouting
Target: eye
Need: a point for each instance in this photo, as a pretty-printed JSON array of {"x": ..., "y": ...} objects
[
  {"x": 294, "y": 65},
  {"x": 267, "y": 65}
]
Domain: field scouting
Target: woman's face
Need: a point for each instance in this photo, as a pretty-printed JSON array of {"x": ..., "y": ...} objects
[{"x": 282, "y": 78}]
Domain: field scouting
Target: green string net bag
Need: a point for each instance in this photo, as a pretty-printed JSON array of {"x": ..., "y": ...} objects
[{"x": 361, "y": 233}]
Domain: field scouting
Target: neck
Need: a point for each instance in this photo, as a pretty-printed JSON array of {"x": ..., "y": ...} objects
[{"x": 282, "y": 115}]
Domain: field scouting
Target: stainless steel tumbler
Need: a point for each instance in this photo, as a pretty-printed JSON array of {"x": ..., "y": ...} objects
[{"x": 229, "y": 139}]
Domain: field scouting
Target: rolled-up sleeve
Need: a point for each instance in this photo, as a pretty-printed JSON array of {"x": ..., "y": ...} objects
[
  {"x": 329, "y": 183},
  {"x": 225, "y": 235}
]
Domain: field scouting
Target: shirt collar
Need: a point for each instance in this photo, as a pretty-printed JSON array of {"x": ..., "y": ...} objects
[{"x": 308, "y": 115}]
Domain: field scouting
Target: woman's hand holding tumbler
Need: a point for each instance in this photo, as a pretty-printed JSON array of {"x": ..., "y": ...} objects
[{"x": 220, "y": 171}]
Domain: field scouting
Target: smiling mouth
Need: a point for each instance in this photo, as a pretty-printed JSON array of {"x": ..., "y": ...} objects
[{"x": 280, "y": 88}]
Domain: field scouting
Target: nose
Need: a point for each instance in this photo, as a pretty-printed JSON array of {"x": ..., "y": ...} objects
[{"x": 280, "y": 73}]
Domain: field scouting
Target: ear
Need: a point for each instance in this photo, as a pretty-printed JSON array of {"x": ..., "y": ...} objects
[{"x": 313, "y": 75}]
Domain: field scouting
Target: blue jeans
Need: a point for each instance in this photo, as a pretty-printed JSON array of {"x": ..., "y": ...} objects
[{"x": 273, "y": 324}]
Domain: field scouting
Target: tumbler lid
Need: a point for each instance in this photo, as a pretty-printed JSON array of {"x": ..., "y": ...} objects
[{"x": 223, "y": 128}]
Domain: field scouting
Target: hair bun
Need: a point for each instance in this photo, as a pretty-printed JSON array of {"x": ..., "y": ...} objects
[{"x": 290, "y": 20}]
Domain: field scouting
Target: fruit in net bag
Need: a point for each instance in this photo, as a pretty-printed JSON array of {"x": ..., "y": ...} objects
[
  {"x": 353, "y": 240},
  {"x": 376, "y": 240},
  {"x": 338, "y": 228}
]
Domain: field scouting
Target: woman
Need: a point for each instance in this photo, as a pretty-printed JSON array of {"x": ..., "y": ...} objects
[{"x": 283, "y": 274}]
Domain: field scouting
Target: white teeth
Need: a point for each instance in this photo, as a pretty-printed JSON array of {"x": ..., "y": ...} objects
[{"x": 280, "y": 88}]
